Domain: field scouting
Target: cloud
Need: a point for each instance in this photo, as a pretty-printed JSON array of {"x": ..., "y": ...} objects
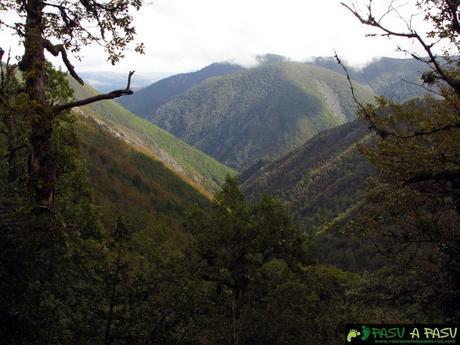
[{"x": 184, "y": 35}]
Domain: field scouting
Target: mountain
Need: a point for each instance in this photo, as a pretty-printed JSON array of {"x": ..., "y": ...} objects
[
  {"x": 320, "y": 180},
  {"x": 322, "y": 183},
  {"x": 131, "y": 183},
  {"x": 193, "y": 166},
  {"x": 259, "y": 112},
  {"x": 145, "y": 102},
  {"x": 393, "y": 78}
]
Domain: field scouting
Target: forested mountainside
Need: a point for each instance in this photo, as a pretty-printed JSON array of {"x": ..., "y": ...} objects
[
  {"x": 260, "y": 112},
  {"x": 130, "y": 182},
  {"x": 146, "y": 101},
  {"x": 202, "y": 171},
  {"x": 320, "y": 180},
  {"x": 396, "y": 79}
]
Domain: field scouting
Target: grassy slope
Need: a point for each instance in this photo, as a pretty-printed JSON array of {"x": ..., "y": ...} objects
[
  {"x": 197, "y": 168},
  {"x": 260, "y": 112},
  {"x": 130, "y": 183}
]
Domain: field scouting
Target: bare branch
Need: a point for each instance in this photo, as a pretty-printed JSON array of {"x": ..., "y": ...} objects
[
  {"x": 17, "y": 27},
  {"x": 12, "y": 152},
  {"x": 110, "y": 95},
  {"x": 364, "y": 111},
  {"x": 59, "y": 48},
  {"x": 370, "y": 21},
  {"x": 384, "y": 133},
  {"x": 349, "y": 81},
  {"x": 422, "y": 86},
  {"x": 411, "y": 34},
  {"x": 423, "y": 133}
]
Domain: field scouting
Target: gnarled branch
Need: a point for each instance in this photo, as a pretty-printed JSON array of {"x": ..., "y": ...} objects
[
  {"x": 110, "y": 95},
  {"x": 382, "y": 132},
  {"x": 411, "y": 34},
  {"x": 59, "y": 48},
  {"x": 13, "y": 151}
]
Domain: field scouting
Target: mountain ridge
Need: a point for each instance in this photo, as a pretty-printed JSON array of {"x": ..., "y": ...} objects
[
  {"x": 394, "y": 78},
  {"x": 158, "y": 93},
  {"x": 205, "y": 173},
  {"x": 259, "y": 112},
  {"x": 319, "y": 180}
]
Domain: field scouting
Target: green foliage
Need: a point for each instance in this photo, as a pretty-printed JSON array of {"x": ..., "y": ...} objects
[
  {"x": 43, "y": 253},
  {"x": 257, "y": 273},
  {"x": 411, "y": 206},
  {"x": 67, "y": 22}
]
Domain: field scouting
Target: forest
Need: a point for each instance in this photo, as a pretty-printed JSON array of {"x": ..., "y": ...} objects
[{"x": 103, "y": 242}]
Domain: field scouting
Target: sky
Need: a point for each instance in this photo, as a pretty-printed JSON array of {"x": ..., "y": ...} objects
[{"x": 186, "y": 35}]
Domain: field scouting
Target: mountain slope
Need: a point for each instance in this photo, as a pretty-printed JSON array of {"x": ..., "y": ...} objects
[
  {"x": 389, "y": 77},
  {"x": 260, "y": 112},
  {"x": 145, "y": 102},
  {"x": 319, "y": 180},
  {"x": 129, "y": 183},
  {"x": 200, "y": 170}
]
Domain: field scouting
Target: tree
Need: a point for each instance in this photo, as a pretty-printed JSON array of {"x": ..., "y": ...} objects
[
  {"x": 412, "y": 207},
  {"x": 257, "y": 276},
  {"x": 47, "y": 276},
  {"x": 59, "y": 27},
  {"x": 443, "y": 35}
]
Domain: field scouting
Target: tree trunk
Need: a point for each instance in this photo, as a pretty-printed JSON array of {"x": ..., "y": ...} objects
[{"x": 42, "y": 176}]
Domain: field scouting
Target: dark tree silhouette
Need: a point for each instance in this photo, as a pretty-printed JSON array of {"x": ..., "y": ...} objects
[{"x": 61, "y": 27}]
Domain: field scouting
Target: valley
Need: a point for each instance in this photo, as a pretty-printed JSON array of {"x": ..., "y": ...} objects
[
  {"x": 289, "y": 128},
  {"x": 217, "y": 194}
]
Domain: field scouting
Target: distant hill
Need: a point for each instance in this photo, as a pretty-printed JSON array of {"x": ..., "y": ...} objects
[
  {"x": 145, "y": 102},
  {"x": 259, "y": 112},
  {"x": 389, "y": 77},
  {"x": 193, "y": 166},
  {"x": 320, "y": 180}
]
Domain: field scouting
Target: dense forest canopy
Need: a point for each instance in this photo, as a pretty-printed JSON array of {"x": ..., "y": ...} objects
[{"x": 188, "y": 269}]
